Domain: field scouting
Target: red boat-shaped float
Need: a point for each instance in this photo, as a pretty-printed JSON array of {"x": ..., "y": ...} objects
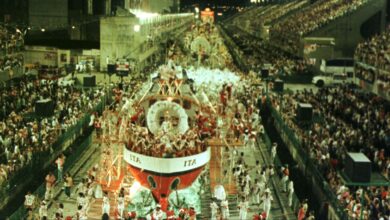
[{"x": 166, "y": 146}]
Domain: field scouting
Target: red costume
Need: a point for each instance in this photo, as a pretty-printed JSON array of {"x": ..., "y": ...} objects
[
  {"x": 135, "y": 117},
  {"x": 301, "y": 214},
  {"x": 192, "y": 213},
  {"x": 170, "y": 214},
  {"x": 222, "y": 96},
  {"x": 118, "y": 94},
  {"x": 164, "y": 203},
  {"x": 261, "y": 216}
]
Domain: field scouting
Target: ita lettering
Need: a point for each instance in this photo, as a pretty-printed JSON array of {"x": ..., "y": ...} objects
[
  {"x": 134, "y": 158},
  {"x": 188, "y": 163}
]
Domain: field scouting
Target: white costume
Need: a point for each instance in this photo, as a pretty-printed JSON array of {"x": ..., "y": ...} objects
[
  {"x": 106, "y": 205},
  {"x": 225, "y": 209},
  {"x": 158, "y": 215},
  {"x": 267, "y": 203},
  {"x": 166, "y": 126},
  {"x": 257, "y": 190},
  {"x": 290, "y": 192},
  {"x": 243, "y": 205},
  {"x": 83, "y": 215},
  {"x": 214, "y": 210},
  {"x": 42, "y": 211},
  {"x": 284, "y": 182},
  {"x": 273, "y": 152},
  {"x": 219, "y": 192},
  {"x": 98, "y": 191},
  {"x": 252, "y": 142},
  {"x": 121, "y": 206},
  {"x": 29, "y": 201},
  {"x": 166, "y": 141}
]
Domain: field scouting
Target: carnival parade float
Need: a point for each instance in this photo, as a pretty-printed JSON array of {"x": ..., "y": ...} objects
[{"x": 158, "y": 139}]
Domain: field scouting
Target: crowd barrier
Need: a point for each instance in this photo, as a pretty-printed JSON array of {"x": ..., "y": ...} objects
[
  {"x": 307, "y": 166},
  {"x": 43, "y": 160},
  {"x": 40, "y": 192}
]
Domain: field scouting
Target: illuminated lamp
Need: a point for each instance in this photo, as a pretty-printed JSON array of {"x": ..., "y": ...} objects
[{"x": 137, "y": 28}]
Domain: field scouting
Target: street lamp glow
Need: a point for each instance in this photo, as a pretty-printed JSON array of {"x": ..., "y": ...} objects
[
  {"x": 137, "y": 28},
  {"x": 143, "y": 15},
  {"x": 43, "y": 29}
]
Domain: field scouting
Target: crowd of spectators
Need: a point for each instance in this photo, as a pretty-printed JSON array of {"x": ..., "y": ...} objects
[
  {"x": 353, "y": 121},
  {"x": 365, "y": 73},
  {"x": 257, "y": 53},
  {"x": 11, "y": 42},
  {"x": 11, "y": 39},
  {"x": 376, "y": 51},
  {"x": 289, "y": 31},
  {"x": 374, "y": 62},
  {"x": 22, "y": 136},
  {"x": 266, "y": 15},
  {"x": 11, "y": 61}
]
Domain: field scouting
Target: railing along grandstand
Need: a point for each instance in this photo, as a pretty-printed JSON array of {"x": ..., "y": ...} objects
[
  {"x": 277, "y": 163},
  {"x": 373, "y": 62},
  {"x": 64, "y": 144},
  {"x": 40, "y": 159},
  {"x": 376, "y": 51},
  {"x": 291, "y": 140},
  {"x": 300, "y": 144},
  {"x": 21, "y": 212}
]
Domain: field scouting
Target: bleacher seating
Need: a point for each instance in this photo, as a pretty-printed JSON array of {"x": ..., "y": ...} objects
[
  {"x": 266, "y": 15},
  {"x": 22, "y": 135},
  {"x": 289, "y": 31},
  {"x": 352, "y": 121},
  {"x": 258, "y": 52},
  {"x": 11, "y": 42},
  {"x": 376, "y": 53}
]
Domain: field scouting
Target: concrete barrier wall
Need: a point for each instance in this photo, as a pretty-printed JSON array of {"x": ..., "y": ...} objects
[{"x": 316, "y": 183}]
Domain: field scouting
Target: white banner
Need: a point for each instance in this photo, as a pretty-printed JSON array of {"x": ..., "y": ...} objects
[{"x": 166, "y": 165}]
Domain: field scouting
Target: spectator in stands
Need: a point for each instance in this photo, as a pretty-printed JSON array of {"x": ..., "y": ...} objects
[
  {"x": 281, "y": 63},
  {"x": 43, "y": 211},
  {"x": 352, "y": 121},
  {"x": 11, "y": 42},
  {"x": 375, "y": 52},
  {"x": 50, "y": 181},
  {"x": 373, "y": 58},
  {"x": 289, "y": 31},
  {"x": 60, "y": 167},
  {"x": 68, "y": 184},
  {"x": 7, "y": 63},
  {"x": 29, "y": 201},
  {"x": 11, "y": 39},
  {"x": 20, "y": 137}
]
